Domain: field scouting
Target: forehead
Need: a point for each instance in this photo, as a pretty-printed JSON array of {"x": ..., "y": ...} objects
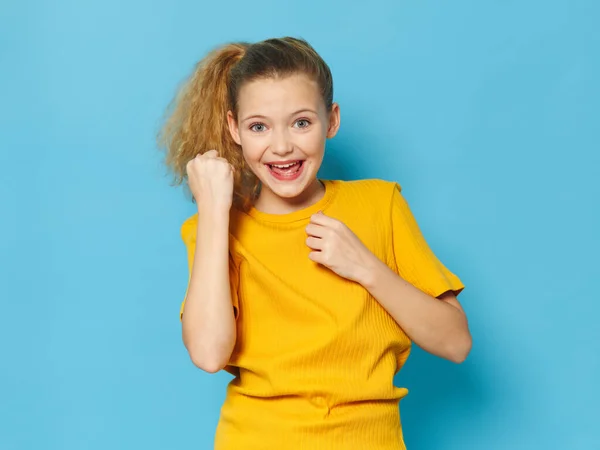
[{"x": 279, "y": 94}]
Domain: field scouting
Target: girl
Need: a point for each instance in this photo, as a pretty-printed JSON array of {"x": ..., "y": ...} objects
[{"x": 309, "y": 291}]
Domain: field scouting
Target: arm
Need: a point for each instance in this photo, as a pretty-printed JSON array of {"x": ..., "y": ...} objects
[
  {"x": 208, "y": 324},
  {"x": 438, "y": 325}
]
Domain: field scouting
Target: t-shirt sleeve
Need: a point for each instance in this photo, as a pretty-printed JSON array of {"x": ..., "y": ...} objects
[
  {"x": 188, "y": 235},
  {"x": 415, "y": 261}
]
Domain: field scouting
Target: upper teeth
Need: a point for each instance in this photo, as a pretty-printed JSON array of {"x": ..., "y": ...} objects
[{"x": 285, "y": 166}]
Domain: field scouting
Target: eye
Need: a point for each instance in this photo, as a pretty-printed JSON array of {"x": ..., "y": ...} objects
[
  {"x": 257, "y": 127},
  {"x": 302, "y": 123}
]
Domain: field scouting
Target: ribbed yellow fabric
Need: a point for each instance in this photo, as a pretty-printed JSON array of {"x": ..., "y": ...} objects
[{"x": 316, "y": 354}]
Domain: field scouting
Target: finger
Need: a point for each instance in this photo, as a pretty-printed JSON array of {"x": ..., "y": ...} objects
[
  {"x": 316, "y": 257},
  {"x": 210, "y": 154},
  {"x": 315, "y": 230},
  {"x": 323, "y": 220},
  {"x": 228, "y": 164},
  {"x": 314, "y": 243}
]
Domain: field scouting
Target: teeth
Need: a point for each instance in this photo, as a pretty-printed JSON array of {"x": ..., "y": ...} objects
[{"x": 285, "y": 166}]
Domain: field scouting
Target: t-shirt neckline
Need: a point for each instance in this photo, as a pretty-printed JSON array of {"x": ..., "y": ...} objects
[{"x": 301, "y": 214}]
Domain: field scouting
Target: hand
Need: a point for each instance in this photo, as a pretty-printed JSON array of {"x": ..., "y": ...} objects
[
  {"x": 336, "y": 247},
  {"x": 210, "y": 178}
]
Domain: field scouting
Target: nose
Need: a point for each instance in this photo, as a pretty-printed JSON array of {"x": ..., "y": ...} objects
[{"x": 281, "y": 144}]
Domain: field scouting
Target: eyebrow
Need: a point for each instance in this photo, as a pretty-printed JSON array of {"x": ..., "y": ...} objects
[{"x": 259, "y": 116}]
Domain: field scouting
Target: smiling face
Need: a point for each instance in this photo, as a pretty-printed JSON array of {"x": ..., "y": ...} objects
[{"x": 282, "y": 125}]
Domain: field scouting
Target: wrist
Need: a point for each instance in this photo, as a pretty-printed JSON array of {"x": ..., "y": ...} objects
[
  {"x": 369, "y": 272},
  {"x": 213, "y": 218},
  {"x": 218, "y": 211}
]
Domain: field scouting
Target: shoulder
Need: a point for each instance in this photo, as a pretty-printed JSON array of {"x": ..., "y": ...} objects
[
  {"x": 376, "y": 190},
  {"x": 188, "y": 229},
  {"x": 367, "y": 199}
]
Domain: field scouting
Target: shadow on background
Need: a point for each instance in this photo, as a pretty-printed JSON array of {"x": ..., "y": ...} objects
[
  {"x": 440, "y": 394},
  {"x": 443, "y": 396}
]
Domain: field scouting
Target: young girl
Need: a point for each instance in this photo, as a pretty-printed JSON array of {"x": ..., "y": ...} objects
[{"x": 308, "y": 291}]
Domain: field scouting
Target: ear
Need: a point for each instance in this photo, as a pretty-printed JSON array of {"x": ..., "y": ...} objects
[
  {"x": 233, "y": 128},
  {"x": 334, "y": 121}
]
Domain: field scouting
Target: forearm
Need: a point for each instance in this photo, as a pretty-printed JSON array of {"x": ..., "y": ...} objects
[
  {"x": 208, "y": 323},
  {"x": 434, "y": 325}
]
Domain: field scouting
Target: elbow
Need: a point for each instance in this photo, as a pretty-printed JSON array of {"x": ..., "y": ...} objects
[
  {"x": 209, "y": 352},
  {"x": 208, "y": 365},
  {"x": 460, "y": 350},
  {"x": 210, "y": 357},
  {"x": 211, "y": 363}
]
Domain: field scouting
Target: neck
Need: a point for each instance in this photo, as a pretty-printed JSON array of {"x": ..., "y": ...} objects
[{"x": 270, "y": 203}]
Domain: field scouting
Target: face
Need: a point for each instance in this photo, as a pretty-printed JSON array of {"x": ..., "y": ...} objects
[{"x": 282, "y": 125}]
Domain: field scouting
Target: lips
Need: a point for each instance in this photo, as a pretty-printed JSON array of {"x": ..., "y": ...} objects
[{"x": 286, "y": 170}]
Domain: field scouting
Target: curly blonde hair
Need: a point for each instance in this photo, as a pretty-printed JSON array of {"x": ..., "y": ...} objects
[{"x": 196, "y": 119}]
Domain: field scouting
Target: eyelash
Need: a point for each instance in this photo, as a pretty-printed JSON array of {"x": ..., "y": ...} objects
[{"x": 299, "y": 120}]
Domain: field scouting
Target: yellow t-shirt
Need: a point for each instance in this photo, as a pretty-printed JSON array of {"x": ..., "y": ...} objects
[{"x": 316, "y": 354}]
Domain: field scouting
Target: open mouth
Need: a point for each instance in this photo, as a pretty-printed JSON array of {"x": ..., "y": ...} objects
[{"x": 289, "y": 171}]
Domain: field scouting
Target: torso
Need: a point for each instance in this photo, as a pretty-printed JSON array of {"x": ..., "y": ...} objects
[{"x": 315, "y": 353}]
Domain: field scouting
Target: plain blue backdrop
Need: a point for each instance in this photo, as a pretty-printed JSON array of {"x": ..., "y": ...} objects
[{"x": 485, "y": 112}]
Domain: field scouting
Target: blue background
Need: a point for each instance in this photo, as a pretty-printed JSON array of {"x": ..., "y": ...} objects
[{"x": 485, "y": 112}]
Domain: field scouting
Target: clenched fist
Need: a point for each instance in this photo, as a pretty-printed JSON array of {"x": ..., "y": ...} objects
[{"x": 210, "y": 178}]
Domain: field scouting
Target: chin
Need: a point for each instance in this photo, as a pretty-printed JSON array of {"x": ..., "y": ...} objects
[{"x": 289, "y": 192}]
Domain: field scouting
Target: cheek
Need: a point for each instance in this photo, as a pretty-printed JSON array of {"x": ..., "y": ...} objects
[
  {"x": 311, "y": 142},
  {"x": 252, "y": 157},
  {"x": 251, "y": 149}
]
